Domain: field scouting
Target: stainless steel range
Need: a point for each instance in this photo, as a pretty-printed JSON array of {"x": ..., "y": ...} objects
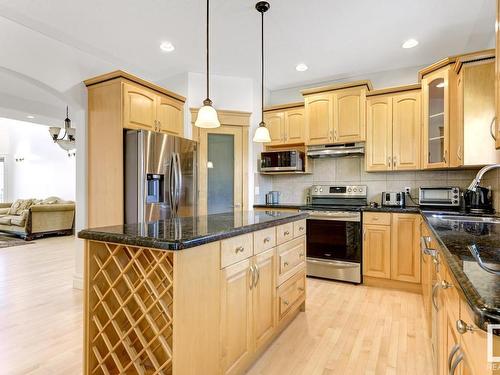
[{"x": 334, "y": 242}]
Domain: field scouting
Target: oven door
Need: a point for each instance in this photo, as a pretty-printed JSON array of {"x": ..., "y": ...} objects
[{"x": 334, "y": 240}]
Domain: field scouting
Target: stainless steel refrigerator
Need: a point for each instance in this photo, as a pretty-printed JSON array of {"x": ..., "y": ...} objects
[{"x": 160, "y": 176}]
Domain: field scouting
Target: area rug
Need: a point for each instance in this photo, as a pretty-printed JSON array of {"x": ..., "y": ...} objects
[{"x": 8, "y": 241}]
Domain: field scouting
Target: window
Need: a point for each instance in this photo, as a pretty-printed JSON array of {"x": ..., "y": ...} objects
[{"x": 3, "y": 177}]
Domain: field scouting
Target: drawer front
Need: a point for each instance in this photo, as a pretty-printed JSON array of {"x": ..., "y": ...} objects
[
  {"x": 291, "y": 293},
  {"x": 235, "y": 249},
  {"x": 299, "y": 228},
  {"x": 379, "y": 218},
  {"x": 291, "y": 258},
  {"x": 284, "y": 233},
  {"x": 452, "y": 298},
  {"x": 264, "y": 240}
]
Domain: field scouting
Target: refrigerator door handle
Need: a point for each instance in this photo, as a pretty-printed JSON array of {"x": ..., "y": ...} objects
[
  {"x": 179, "y": 182},
  {"x": 171, "y": 182}
]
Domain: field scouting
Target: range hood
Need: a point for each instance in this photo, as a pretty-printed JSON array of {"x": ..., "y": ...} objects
[{"x": 336, "y": 151}]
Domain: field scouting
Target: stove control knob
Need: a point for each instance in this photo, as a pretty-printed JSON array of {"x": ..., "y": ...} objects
[
  {"x": 355, "y": 190},
  {"x": 360, "y": 189},
  {"x": 349, "y": 190},
  {"x": 315, "y": 190},
  {"x": 320, "y": 190}
]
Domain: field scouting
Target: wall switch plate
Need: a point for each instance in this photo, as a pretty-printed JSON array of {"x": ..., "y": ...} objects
[
  {"x": 407, "y": 189},
  {"x": 257, "y": 190}
]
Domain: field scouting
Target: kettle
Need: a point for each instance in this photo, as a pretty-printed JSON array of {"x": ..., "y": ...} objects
[
  {"x": 479, "y": 201},
  {"x": 273, "y": 197}
]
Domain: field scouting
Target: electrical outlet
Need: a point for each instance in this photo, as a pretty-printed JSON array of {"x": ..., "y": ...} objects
[{"x": 407, "y": 190}]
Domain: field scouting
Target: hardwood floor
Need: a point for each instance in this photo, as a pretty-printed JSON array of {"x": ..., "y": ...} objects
[
  {"x": 40, "y": 312},
  {"x": 346, "y": 329}
]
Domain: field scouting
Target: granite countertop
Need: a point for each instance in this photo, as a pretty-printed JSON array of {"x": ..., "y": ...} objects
[
  {"x": 280, "y": 205},
  {"x": 407, "y": 209},
  {"x": 480, "y": 288},
  {"x": 184, "y": 232}
]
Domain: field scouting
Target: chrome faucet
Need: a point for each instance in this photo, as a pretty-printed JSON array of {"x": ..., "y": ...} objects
[{"x": 475, "y": 182}]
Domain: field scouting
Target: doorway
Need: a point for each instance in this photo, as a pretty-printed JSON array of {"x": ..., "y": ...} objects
[
  {"x": 3, "y": 178},
  {"x": 223, "y": 158}
]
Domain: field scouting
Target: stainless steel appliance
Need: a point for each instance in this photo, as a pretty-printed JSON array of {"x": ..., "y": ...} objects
[
  {"x": 336, "y": 151},
  {"x": 282, "y": 161},
  {"x": 334, "y": 241},
  {"x": 273, "y": 197},
  {"x": 439, "y": 196},
  {"x": 160, "y": 176},
  {"x": 393, "y": 199}
]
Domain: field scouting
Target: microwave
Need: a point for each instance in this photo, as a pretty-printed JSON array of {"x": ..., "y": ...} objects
[
  {"x": 439, "y": 196},
  {"x": 282, "y": 161}
]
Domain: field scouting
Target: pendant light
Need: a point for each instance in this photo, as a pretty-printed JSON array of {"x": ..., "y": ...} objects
[
  {"x": 262, "y": 133},
  {"x": 207, "y": 115}
]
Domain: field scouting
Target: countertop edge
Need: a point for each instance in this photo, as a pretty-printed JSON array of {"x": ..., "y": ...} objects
[{"x": 176, "y": 245}]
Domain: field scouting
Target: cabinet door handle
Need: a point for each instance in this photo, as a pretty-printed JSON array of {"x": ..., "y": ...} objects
[
  {"x": 389, "y": 161},
  {"x": 301, "y": 229},
  {"x": 433, "y": 296},
  {"x": 286, "y": 303},
  {"x": 301, "y": 289},
  {"x": 491, "y": 128},
  {"x": 394, "y": 161},
  {"x": 459, "y": 153},
  {"x": 455, "y": 364},
  {"x": 267, "y": 239},
  {"x": 252, "y": 277},
  {"x": 445, "y": 156},
  {"x": 364, "y": 235},
  {"x": 335, "y": 134},
  {"x": 463, "y": 327},
  {"x": 257, "y": 275},
  {"x": 239, "y": 249},
  {"x": 285, "y": 264},
  {"x": 286, "y": 233},
  {"x": 453, "y": 351}
]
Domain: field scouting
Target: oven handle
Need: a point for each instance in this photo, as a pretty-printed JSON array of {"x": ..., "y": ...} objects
[{"x": 335, "y": 263}]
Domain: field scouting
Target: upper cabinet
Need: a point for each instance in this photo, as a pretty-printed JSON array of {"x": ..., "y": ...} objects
[
  {"x": 139, "y": 107},
  {"x": 393, "y": 129},
  {"x": 336, "y": 113},
  {"x": 286, "y": 124},
  {"x": 170, "y": 115},
  {"x": 436, "y": 117}
]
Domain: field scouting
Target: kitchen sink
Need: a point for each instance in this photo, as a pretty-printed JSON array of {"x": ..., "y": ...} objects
[{"x": 469, "y": 219}]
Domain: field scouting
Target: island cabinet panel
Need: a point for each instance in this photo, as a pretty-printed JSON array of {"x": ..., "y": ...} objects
[
  {"x": 236, "y": 316},
  {"x": 377, "y": 251},
  {"x": 264, "y": 294},
  {"x": 139, "y": 108},
  {"x": 291, "y": 257},
  {"x": 291, "y": 293},
  {"x": 405, "y": 254}
]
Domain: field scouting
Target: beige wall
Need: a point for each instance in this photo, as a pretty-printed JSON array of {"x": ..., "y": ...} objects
[
  {"x": 351, "y": 171},
  {"x": 492, "y": 179}
]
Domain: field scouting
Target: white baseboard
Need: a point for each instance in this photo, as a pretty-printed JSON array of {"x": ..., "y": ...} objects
[{"x": 77, "y": 282}]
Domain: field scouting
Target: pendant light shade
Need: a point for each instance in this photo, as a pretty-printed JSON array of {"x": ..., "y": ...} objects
[
  {"x": 207, "y": 115},
  {"x": 262, "y": 132}
]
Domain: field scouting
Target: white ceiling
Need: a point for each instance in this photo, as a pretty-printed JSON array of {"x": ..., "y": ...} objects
[{"x": 336, "y": 38}]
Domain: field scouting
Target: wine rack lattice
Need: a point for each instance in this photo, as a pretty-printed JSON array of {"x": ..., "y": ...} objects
[{"x": 130, "y": 296}]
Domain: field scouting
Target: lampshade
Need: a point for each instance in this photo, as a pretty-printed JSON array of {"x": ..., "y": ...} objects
[
  {"x": 207, "y": 118},
  {"x": 262, "y": 134}
]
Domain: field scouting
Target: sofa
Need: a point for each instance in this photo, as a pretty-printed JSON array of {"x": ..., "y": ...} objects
[{"x": 32, "y": 218}]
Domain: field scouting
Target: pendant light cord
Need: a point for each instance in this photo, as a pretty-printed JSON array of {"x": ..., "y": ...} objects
[
  {"x": 262, "y": 70},
  {"x": 208, "y": 59}
]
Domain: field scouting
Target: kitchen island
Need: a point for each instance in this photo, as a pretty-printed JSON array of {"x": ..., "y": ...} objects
[{"x": 192, "y": 295}]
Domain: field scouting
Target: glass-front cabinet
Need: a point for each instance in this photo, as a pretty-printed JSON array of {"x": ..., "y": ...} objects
[{"x": 436, "y": 137}]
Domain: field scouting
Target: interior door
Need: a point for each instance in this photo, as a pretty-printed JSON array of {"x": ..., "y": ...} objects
[
  {"x": 406, "y": 131},
  {"x": 221, "y": 168},
  {"x": 379, "y": 134}
]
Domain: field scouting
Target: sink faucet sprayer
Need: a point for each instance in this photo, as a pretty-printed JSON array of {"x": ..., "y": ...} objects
[{"x": 475, "y": 182}]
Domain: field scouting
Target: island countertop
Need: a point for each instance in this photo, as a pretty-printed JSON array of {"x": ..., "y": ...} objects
[{"x": 185, "y": 232}]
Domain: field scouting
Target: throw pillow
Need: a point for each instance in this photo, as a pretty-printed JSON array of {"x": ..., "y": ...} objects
[
  {"x": 50, "y": 200},
  {"x": 19, "y": 205}
]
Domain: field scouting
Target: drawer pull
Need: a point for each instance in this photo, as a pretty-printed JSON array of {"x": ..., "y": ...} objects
[
  {"x": 300, "y": 289},
  {"x": 301, "y": 229},
  {"x": 285, "y": 264},
  {"x": 301, "y": 255},
  {"x": 286, "y": 303},
  {"x": 267, "y": 239},
  {"x": 286, "y": 233},
  {"x": 239, "y": 249},
  {"x": 463, "y": 327},
  {"x": 375, "y": 218}
]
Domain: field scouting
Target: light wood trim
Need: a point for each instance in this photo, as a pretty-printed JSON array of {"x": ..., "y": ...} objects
[
  {"x": 105, "y": 155},
  {"x": 377, "y": 218},
  {"x": 226, "y": 117},
  {"x": 338, "y": 86},
  {"x": 479, "y": 56},
  {"x": 394, "y": 90},
  {"x": 196, "y": 291},
  {"x": 283, "y": 106},
  {"x": 392, "y": 284},
  {"x": 436, "y": 66},
  {"x": 130, "y": 77}
]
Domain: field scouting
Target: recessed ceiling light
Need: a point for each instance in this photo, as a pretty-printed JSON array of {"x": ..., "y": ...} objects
[
  {"x": 440, "y": 85},
  {"x": 30, "y": 116},
  {"x": 410, "y": 43},
  {"x": 167, "y": 46},
  {"x": 301, "y": 67}
]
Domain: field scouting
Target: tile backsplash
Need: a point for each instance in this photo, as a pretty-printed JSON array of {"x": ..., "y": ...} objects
[{"x": 350, "y": 170}]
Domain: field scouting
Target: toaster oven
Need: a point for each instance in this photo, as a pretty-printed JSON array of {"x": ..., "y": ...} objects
[{"x": 439, "y": 196}]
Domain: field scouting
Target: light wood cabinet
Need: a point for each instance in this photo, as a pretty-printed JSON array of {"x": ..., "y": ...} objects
[
  {"x": 391, "y": 246},
  {"x": 393, "y": 129},
  {"x": 170, "y": 116},
  {"x": 286, "y": 124},
  {"x": 336, "y": 113},
  {"x": 377, "y": 251},
  {"x": 405, "y": 255},
  {"x": 236, "y": 316}
]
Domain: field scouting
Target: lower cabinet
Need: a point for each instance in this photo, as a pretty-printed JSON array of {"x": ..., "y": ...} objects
[
  {"x": 391, "y": 247},
  {"x": 258, "y": 293}
]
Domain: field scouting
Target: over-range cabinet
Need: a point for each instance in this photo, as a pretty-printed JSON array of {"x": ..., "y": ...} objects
[{"x": 160, "y": 176}]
